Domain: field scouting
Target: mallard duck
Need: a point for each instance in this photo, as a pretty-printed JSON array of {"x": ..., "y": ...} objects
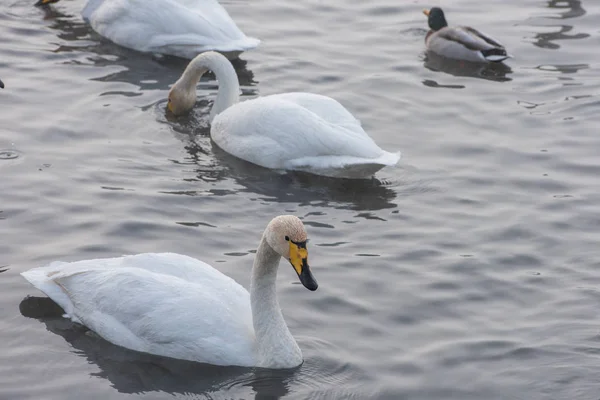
[
  {"x": 287, "y": 131},
  {"x": 182, "y": 28},
  {"x": 177, "y": 306},
  {"x": 1, "y": 84},
  {"x": 461, "y": 42}
]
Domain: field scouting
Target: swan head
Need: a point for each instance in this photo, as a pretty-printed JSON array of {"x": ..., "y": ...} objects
[
  {"x": 435, "y": 18},
  {"x": 182, "y": 96},
  {"x": 287, "y": 236}
]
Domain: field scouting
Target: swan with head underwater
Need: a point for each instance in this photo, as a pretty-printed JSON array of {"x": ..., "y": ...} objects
[
  {"x": 182, "y": 28},
  {"x": 287, "y": 131},
  {"x": 177, "y": 306},
  {"x": 461, "y": 42}
]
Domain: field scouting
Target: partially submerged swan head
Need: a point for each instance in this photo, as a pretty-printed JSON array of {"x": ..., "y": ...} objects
[
  {"x": 182, "y": 95},
  {"x": 287, "y": 236},
  {"x": 435, "y": 18}
]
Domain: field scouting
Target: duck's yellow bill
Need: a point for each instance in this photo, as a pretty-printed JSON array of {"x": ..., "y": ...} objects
[{"x": 426, "y": 12}]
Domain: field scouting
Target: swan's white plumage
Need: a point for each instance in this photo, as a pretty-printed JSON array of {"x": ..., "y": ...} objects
[
  {"x": 294, "y": 131},
  {"x": 182, "y": 28},
  {"x": 298, "y": 131},
  {"x": 166, "y": 304}
]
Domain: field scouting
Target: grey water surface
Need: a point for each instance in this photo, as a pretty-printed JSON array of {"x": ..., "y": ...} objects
[{"x": 469, "y": 271}]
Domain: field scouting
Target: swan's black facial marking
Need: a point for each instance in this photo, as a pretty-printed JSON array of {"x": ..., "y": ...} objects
[{"x": 301, "y": 245}]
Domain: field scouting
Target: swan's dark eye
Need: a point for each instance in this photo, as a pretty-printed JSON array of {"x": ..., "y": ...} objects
[{"x": 287, "y": 238}]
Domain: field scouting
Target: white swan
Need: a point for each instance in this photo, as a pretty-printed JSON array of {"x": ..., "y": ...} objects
[
  {"x": 176, "y": 306},
  {"x": 182, "y": 28},
  {"x": 295, "y": 131}
]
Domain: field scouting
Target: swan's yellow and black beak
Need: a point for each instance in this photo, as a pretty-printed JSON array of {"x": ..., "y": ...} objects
[
  {"x": 299, "y": 260},
  {"x": 426, "y": 12},
  {"x": 45, "y": 2}
]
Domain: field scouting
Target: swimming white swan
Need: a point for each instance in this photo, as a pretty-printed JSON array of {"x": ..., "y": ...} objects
[
  {"x": 294, "y": 131},
  {"x": 182, "y": 28},
  {"x": 176, "y": 306}
]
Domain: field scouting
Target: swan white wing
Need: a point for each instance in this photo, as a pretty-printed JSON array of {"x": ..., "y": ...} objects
[
  {"x": 160, "y": 313},
  {"x": 179, "y": 27},
  {"x": 276, "y": 132},
  {"x": 325, "y": 107},
  {"x": 177, "y": 265}
]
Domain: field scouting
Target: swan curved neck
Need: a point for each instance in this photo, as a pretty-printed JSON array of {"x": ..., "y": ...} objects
[
  {"x": 276, "y": 346},
  {"x": 89, "y": 8},
  {"x": 229, "y": 87}
]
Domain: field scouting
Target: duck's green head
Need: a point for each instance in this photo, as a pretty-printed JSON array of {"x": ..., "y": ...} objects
[{"x": 435, "y": 18}]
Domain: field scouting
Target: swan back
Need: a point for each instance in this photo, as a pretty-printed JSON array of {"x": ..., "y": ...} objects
[
  {"x": 293, "y": 130},
  {"x": 181, "y": 28},
  {"x": 147, "y": 303}
]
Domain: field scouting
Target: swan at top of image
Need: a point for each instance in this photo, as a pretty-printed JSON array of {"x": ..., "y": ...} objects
[
  {"x": 461, "y": 42},
  {"x": 176, "y": 306},
  {"x": 288, "y": 131},
  {"x": 182, "y": 28}
]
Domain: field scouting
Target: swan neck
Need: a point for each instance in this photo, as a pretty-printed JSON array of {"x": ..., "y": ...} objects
[
  {"x": 229, "y": 87},
  {"x": 263, "y": 289},
  {"x": 275, "y": 344},
  {"x": 89, "y": 9}
]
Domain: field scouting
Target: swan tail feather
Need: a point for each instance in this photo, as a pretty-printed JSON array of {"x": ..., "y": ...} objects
[
  {"x": 247, "y": 43},
  {"x": 344, "y": 166},
  {"x": 43, "y": 279}
]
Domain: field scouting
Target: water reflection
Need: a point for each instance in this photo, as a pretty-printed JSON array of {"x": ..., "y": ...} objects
[
  {"x": 133, "y": 372},
  {"x": 146, "y": 71},
  {"x": 306, "y": 189},
  {"x": 212, "y": 164},
  {"x": 563, "y": 68},
  {"x": 573, "y": 9},
  {"x": 488, "y": 71},
  {"x": 546, "y": 40}
]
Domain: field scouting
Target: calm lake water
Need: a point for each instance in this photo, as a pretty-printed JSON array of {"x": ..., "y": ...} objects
[{"x": 469, "y": 271}]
